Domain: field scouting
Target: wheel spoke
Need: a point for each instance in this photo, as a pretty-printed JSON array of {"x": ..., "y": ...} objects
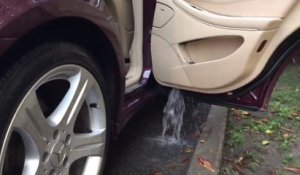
[
  {"x": 32, "y": 167},
  {"x": 32, "y": 122},
  {"x": 51, "y": 146},
  {"x": 91, "y": 144},
  {"x": 90, "y": 168},
  {"x": 66, "y": 171},
  {"x": 41, "y": 169},
  {"x": 66, "y": 112}
]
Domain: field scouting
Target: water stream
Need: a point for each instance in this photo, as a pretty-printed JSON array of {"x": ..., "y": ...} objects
[
  {"x": 173, "y": 117},
  {"x": 183, "y": 119}
]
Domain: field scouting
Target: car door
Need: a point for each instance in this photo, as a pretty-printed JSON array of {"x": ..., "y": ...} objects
[{"x": 218, "y": 47}]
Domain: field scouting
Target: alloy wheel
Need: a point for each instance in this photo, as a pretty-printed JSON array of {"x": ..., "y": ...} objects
[{"x": 59, "y": 127}]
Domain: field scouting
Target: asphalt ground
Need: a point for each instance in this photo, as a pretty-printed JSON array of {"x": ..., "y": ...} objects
[{"x": 140, "y": 149}]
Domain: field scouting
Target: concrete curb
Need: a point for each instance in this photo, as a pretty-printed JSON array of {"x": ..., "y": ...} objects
[{"x": 213, "y": 134}]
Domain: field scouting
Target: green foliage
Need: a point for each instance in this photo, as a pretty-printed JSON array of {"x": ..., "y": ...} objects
[
  {"x": 286, "y": 143},
  {"x": 236, "y": 139},
  {"x": 254, "y": 160},
  {"x": 288, "y": 159},
  {"x": 278, "y": 127}
]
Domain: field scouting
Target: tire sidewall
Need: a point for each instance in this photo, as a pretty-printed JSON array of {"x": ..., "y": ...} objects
[{"x": 25, "y": 73}]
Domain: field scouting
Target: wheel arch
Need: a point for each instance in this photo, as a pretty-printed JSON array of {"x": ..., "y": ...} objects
[{"x": 83, "y": 33}]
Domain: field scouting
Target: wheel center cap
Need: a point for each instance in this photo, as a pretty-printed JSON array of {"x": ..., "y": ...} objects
[{"x": 58, "y": 154}]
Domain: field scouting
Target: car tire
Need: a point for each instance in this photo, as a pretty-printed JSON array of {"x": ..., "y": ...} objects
[{"x": 54, "y": 113}]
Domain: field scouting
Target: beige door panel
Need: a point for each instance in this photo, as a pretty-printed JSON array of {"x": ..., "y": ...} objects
[
  {"x": 246, "y": 8},
  {"x": 247, "y": 22},
  {"x": 168, "y": 69},
  {"x": 193, "y": 54},
  {"x": 123, "y": 13},
  {"x": 201, "y": 50}
]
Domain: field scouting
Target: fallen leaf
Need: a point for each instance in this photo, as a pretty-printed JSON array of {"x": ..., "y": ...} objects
[
  {"x": 171, "y": 166},
  {"x": 237, "y": 168},
  {"x": 196, "y": 134},
  {"x": 188, "y": 150},
  {"x": 286, "y": 135},
  {"x": 268, "y": 131},
  {"x": 238, "y": 118},
  {"x": 265, "y": 142},
  {"x": 245, "y": 113},
  {"x": 157, "y": 173},
  {"x": 185, "y": 161},
  {"x": 271, "y": 172},
  {"x": 206, "y": 164},
  {"x": 293, "y": 169},
  {"x": 202, "y": 141},
  {"x": 258, "y": 122},
  {"x": 265, "y": 120},
  {"x": 287, "y": 130},
  {"x": 240, "y": 159}
]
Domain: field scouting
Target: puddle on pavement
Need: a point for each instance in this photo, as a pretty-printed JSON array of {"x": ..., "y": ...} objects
[{"x": 142, "y": 149}]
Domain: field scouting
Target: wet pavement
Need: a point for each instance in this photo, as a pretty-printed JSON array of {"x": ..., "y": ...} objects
[{"x": 140, "y": 149}]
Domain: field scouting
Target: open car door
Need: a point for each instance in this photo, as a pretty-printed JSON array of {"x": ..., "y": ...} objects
[{"x": 217, "y": 47}]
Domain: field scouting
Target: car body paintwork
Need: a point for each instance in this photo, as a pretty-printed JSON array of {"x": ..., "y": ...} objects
[{"x": 18, "y": 17}]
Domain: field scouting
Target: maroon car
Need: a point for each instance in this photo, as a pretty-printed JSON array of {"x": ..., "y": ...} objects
[{"x": 73, "y": 72}]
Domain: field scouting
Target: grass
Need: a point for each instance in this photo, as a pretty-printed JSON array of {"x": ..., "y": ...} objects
[
  {"x": 275, "y": 131},
  {"x": 253, "y": 160},
  {"x": 288, "y": 159},
  {"x": 236, "y": 138}
]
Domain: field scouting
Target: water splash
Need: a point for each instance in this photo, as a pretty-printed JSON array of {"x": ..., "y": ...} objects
[{"x": 173, "y": 117}]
